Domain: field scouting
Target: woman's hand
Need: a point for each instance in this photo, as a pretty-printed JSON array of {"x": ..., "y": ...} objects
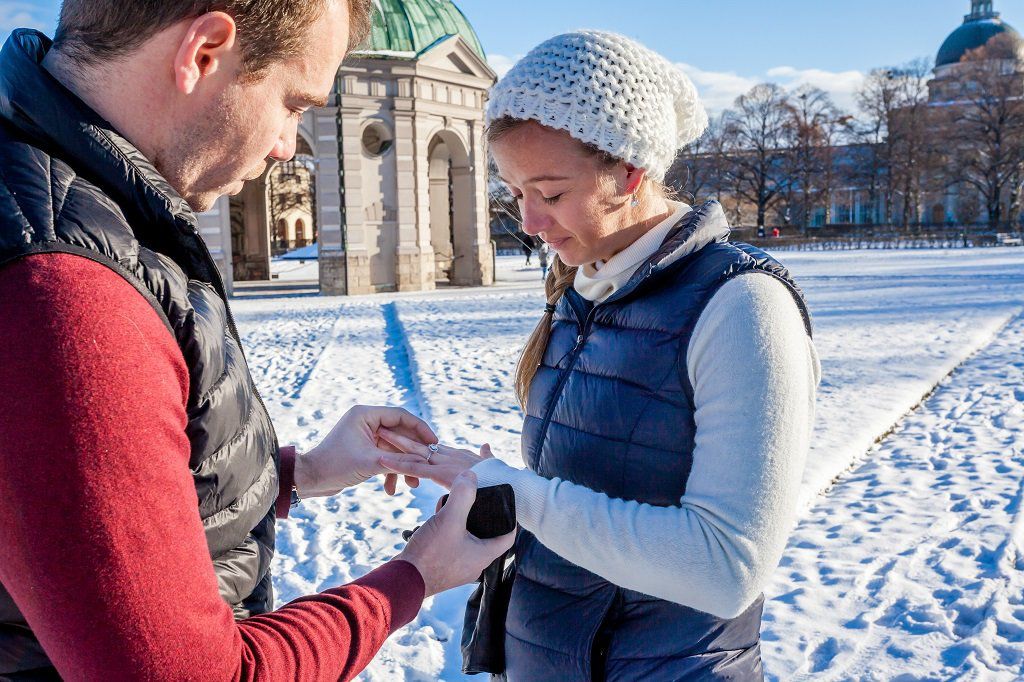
[
  {"x": 417, "y": 460},
  {"x": 350, "y": 453}
]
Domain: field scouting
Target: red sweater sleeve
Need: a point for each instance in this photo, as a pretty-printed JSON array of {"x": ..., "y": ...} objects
[{"x": 101, "y": 544}]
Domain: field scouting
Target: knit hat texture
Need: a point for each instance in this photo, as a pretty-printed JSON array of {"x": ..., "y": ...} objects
[{"x": 606, "y": 90}]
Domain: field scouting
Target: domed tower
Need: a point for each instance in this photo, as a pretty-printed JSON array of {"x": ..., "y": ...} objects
[
  {"x": 980, "y": 28},
  {"x": 398, "y": 196},
  {"x": 413, "y": 168}
]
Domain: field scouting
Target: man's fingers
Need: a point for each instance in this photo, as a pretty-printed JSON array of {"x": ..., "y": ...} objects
[
  {"x": 462, "y": 495},
  {"x": 396, "y": 418},
  {"x": 414, "y": 427},
  {"x": 404, "y": 464},
  {"x": 485, "y": 451},
  {"x": 401, "y": 442},
  {"x": 390, "y": 483},
  {"x": 412, "y": 481},
  {"x": 500, "y": 545},
  {"x": 417, "y": 431},
  {"x": 385, "y": 446}
]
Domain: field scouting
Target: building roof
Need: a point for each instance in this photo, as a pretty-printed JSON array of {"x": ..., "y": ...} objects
[
  {"x": 404, "y": 29},
  {"x": 979, "y": 27}
]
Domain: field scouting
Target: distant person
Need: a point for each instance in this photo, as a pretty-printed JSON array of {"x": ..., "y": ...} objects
[
  {"x": 669, "y": 387},
  {"x": 776, "y": 232},
  {"x": 527, "y": 245},
  {"x": 140, "y": 475},
  {"x": 542, "y": 255}
]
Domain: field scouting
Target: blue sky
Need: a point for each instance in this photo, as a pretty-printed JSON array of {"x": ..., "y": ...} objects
[{"x": 726, "y": 46}]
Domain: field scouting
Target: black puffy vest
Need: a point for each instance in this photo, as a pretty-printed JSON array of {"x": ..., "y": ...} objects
[
  {"x": 611, "y": 408},
  {"x": 70, "y": 184}
]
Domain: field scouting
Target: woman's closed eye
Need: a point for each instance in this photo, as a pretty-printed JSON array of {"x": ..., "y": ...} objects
[{"x": 547, "y": 200}]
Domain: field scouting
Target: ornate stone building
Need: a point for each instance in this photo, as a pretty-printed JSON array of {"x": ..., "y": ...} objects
[
  {"x": 398, "y": 165},
  {"x": 979, "y": 29},
  {"x": 963, "y": 77}
]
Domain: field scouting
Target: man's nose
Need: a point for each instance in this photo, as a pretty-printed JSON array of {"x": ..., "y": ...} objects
[{"x": 284, "y": 149}]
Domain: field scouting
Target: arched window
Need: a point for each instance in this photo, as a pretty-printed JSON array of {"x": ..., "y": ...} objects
[{"x": 281, "y": 234}]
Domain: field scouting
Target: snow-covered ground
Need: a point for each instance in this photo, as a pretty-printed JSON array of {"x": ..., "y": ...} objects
[{"x": 907, "y": 566}]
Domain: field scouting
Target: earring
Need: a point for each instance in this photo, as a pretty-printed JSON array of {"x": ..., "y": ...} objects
[{"x": 635, "y": 202}]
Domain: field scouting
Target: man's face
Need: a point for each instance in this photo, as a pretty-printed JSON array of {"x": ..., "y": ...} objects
[{"x": 235, "y": 126}]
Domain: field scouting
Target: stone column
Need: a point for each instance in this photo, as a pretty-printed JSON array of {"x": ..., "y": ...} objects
[
  {"x": 215, "y": 228},
  {"x": 324, "y": 124},
  {"x": 484, "y": 262},
  {"x": 356, "y": 257},
  {"x": 415, "y": 261}
]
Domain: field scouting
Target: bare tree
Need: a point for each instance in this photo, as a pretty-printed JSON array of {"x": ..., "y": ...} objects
[
  {"x": 757, "y": 135},
  {"x": 909, "y": 139},
  {"x": 818, "y": 127},
  {"x": 877, "y": 100},
  {"x": 894, "y": 127},
  {"x": 985, "y": 122},
  {"x": 697, "y": 171}
]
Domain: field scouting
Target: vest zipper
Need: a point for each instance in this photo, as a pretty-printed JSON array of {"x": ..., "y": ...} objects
[
  {"x": 573, "y": 355},
  {"x": 602, "y": 640}
]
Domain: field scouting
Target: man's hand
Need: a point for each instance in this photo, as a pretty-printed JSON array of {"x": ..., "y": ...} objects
[
  {"x": 351, "y": 452},
  {"x": 415, "y": 459},
  {"x": 444, "y": 552}
]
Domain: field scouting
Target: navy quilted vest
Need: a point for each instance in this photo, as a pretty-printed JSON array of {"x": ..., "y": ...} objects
[{"x": 611, "y": 408}]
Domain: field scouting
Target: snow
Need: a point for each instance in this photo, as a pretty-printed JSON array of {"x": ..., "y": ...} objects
[
  {"x": 868, "y": 587},
  {"x": 311, "y": 252},
  {"x": 913, "y": 563}
]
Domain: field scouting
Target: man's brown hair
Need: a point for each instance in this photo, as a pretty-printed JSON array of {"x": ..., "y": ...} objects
[{"x": 95, "y": 31}]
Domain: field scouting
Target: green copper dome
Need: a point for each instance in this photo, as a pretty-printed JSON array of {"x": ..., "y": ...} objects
[{"x": 405, "y": 28}]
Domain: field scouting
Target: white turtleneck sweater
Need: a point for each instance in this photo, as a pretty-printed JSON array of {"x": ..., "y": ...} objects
[
  {"x": 597, "y": 281},
  {"x": 755, "y": 373}
]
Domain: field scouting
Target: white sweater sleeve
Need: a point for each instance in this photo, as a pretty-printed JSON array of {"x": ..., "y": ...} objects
[{"x": 754, "y": 372}]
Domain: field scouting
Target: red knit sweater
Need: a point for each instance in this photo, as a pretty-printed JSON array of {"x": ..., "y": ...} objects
[{"x": 101, "y": 544}]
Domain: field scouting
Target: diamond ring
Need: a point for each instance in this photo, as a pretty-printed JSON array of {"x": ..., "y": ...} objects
[{"x": 433, "y": 451}]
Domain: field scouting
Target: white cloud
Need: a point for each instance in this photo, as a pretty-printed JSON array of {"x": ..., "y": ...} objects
[
  {"x": 719, "y": 89},
  {"x": 842, "y": 85},
  {"x": 22, "y": 14},
  {"x": 501, "y": 64}
]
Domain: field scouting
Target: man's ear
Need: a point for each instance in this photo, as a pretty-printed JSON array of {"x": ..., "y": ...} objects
[{"x": 208, "y": 45}]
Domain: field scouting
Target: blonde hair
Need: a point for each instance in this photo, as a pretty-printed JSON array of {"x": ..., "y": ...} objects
[{"x": 560, "y": 278}]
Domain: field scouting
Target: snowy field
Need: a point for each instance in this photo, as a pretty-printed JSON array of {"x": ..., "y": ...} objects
[{"x": 907, "y": 561}]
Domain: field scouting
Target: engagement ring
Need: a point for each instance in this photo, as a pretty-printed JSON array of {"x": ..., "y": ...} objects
[{"x": 433, "y": 451}]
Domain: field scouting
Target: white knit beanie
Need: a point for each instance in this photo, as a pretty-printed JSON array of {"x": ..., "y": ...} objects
[{"x": 608, "y": 91}]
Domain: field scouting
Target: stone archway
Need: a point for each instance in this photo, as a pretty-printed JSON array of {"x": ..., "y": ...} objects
[
  {"x": 262, "y": 214},
  {"x": 452, "y": 231},
  {"x": 250, "y": 232},
  {"x": 291, "y": 192}
]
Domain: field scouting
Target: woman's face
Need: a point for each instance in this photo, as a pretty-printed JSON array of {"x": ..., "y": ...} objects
[{"x": 567, "y": 196}]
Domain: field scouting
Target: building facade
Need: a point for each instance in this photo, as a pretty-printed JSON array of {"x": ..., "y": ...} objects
[
  {"x": 395, "y": 168},
  {"x": 918, "y": 175}
]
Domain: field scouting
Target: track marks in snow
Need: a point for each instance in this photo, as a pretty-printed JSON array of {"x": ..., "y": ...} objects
[
  {"x": 312, "y": 366},
  {"x": 911, "y": 564}
]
